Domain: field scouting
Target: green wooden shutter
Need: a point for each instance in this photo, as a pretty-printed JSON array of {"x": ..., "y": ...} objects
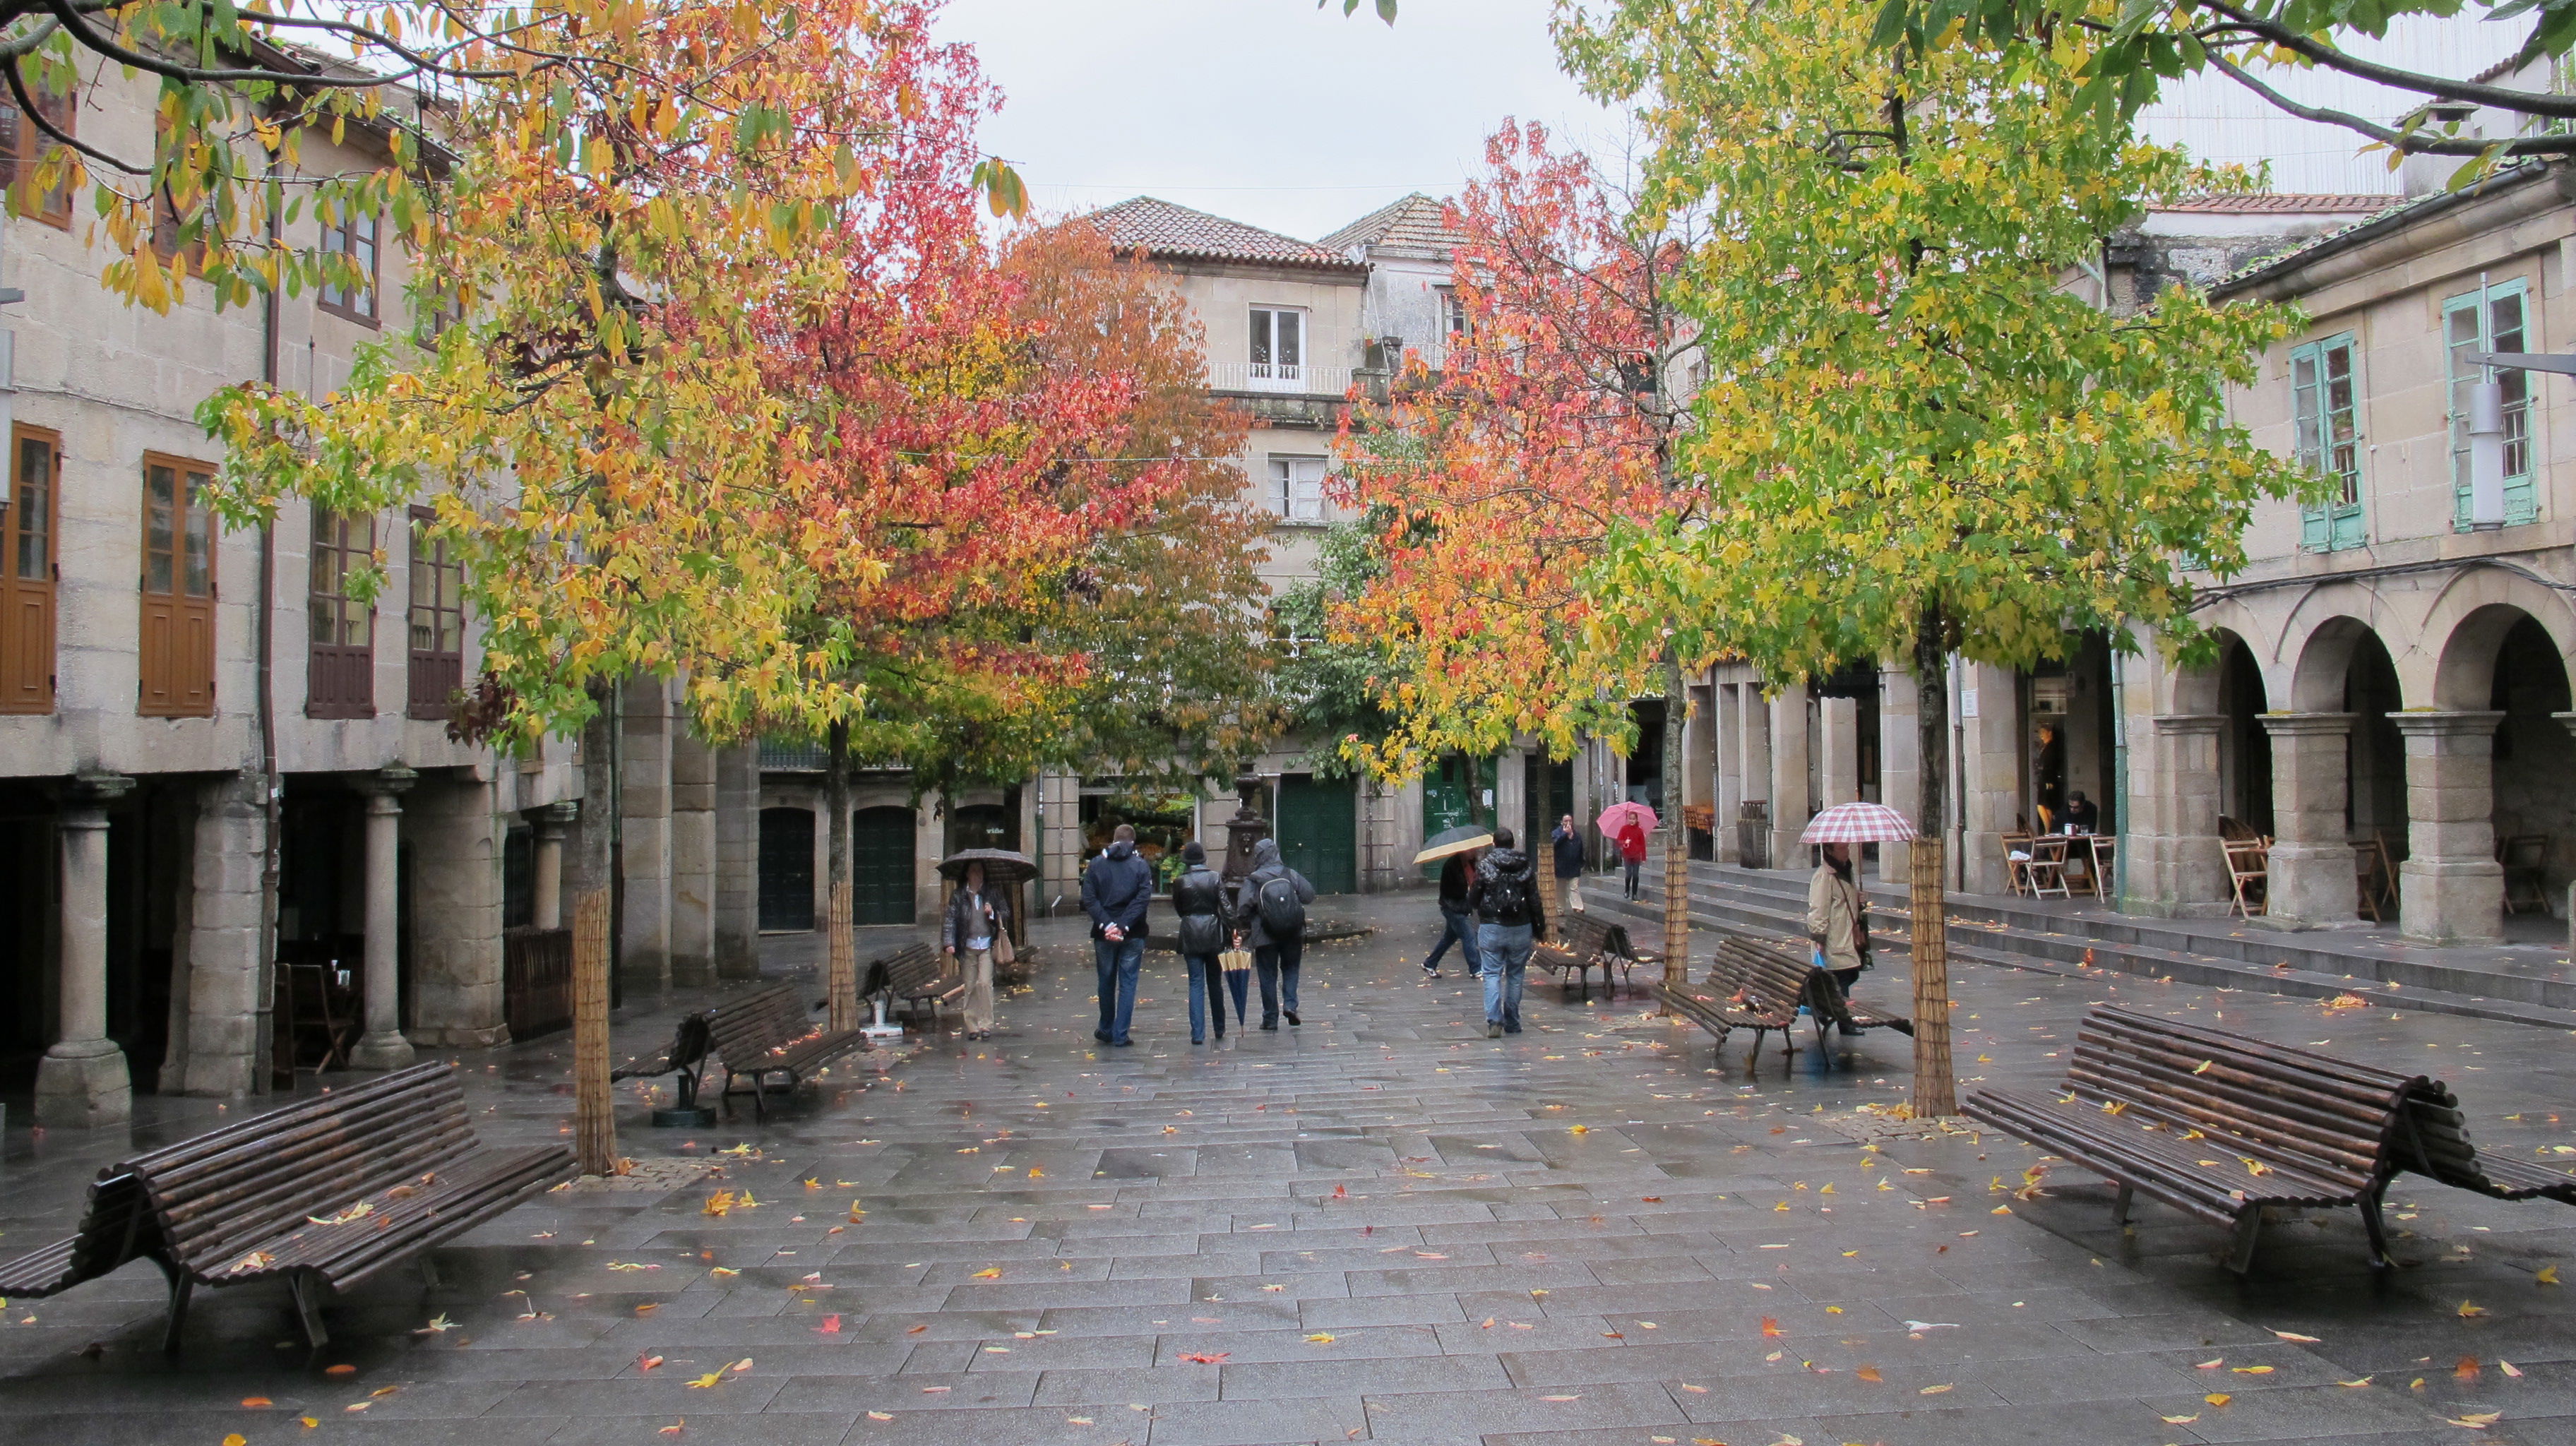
[{"x": 2496, "y": 318}]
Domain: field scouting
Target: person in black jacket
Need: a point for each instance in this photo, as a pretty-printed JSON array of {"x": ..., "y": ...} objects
[
  {"x": 1276, "y": 952},
  {"x": 1116, "y": 891},
  {"x": 1198, "y": 897},
  {"x": 1457, "y": 925},
  {"x": 1567, "y": 842},
  {"x": 1512, "y": 918}
]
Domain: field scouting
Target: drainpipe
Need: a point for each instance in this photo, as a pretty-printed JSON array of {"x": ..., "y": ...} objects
[
  {"x": 264, "y": 698},
  {"x": 2119, "y": 780}
]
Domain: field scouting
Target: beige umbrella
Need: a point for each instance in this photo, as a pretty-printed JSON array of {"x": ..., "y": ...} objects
[{"x": 1464, "y": 838}]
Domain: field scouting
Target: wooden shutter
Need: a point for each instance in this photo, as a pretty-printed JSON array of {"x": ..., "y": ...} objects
[
  {"x": 22, "y": 145},
  {"x": 27, "y": 573},
  {"x": 178, "y": 585},
  {"x": 339, "y": 676},
  {"x": 437, "y": 620}
]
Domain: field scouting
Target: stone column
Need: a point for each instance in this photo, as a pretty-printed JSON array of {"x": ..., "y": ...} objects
[
  {"x": 738, "y": 862},
  {"x": 2181, "y": 870},
  {"x": 1900, "y": 769},
  {"x": 82, "y": 1080},
  {"x": 2311, "y": 880},
  {"x": 693, "y": 858},
  {"x": 554, "y": 821},
  {"x": 2450, "y": 890},
  {"x": 644, "y": 836},
  {"x": 383, "y": 1046},
  {"x": 457, "y": 995},
  {"x": 1989, "y": 782},
  {"x": 1789, "y": 801},
  {"x": 223, "y": 964},
  {"x": 1729, "y": 744},
  {"x": 1838, "y": 770}
]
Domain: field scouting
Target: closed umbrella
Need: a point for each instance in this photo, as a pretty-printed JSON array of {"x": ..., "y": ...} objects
[
  {"x": 1849, "y": 823},
  {"x": 1464, "y": 838},
  {"x": 1617, "y": 816}
]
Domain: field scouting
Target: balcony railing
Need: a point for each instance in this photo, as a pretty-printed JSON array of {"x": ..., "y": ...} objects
[{"x": 1301, "y": 380}]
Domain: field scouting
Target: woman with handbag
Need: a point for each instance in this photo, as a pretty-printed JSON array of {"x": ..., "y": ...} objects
[
  {"x": 1198, "y": 897},
  {"x": 978, "y": 923}
]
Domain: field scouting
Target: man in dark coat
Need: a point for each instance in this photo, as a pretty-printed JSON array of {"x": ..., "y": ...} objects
[
  {"x": 1512, "y": 918},
  {"x": 1276, "y": 952},
  {"x": 1457, "y": 925},
  {"x": 1116, "y": 891},
  {"x": 1198, "y": 897},
  {"x": 1567, "y": 842}
]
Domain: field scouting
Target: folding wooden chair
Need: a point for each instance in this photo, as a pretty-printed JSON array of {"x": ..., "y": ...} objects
[
  {"x": 2248, "y": 869},
  {"x": 2525, "y": 857},
  {"x": 2016, "y": 862},
  {"x": 2047, "y": 867}
]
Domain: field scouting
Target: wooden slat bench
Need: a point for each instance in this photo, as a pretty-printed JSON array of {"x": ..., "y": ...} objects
[
  {"x": 324, "y": 1193},
  {"x": 917, "y": 975},
  {"x": 115, "y": 1227},
  {"x": 2215, "y": 1124},
  {"x": 770, "y": 1032},
  {"x": 1760, "y": 985},
  {"x": 1584, "y": 942},
  {"x": 2434, "y": 1142},
  {"x": 1700, "y": 1007}
]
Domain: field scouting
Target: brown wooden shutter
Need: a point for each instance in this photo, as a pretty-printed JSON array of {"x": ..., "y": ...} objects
[
  {"x": 27, "y": 531},
  {"x": 340, "y": 674},
  {"x": 178, "y": 587},
  {"x": 437, "y": 621}
]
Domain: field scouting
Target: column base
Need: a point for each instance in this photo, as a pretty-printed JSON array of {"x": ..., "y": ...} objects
[
  {"x": 2312, "y": 886},
  {"x": 487, "y": 1037},
  {"x": 388, "y": 1050},
  {"x": 83, "y": 1084},
  {"x": 2451, "y": 901}
]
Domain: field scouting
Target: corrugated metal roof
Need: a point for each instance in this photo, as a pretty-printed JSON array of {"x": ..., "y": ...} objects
[
  {"x": 1160, "y": 229},
  {"x": 1416, "y": 226}
]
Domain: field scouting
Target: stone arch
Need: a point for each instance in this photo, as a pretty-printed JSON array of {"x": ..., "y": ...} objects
[
  {"x": 2468, "y": 622},
  {"x": 2324, "y": 659}
]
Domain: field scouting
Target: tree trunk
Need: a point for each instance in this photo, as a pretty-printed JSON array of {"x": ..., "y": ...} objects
[
  {"x": 1676, "y": 832},
  {"x": 1935, "y": 1092},
  {"x": 840, "y": 963}
]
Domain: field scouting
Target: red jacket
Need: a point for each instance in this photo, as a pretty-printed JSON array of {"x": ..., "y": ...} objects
[{"x": 1632, "y": 843}]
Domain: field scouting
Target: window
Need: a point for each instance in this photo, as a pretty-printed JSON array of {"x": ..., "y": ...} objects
[
  {"x": 1297, "y": 488},
  {"x": 23, "y": 147},
  {"x": 27, "y": 574},
  {"x": 437, "y": 619},
  {"x": 1453, "y": 313},
  {"x": 1278, "y": 344},
  {"x": 339, "y": 676},
  {"x": 354, "y": 236},
  {"x": 2325, "y": 422},
  {"x": 2490, "y": 319},
  {"x": 167, "y": 222},
  {"x": 178, "y": 644}
]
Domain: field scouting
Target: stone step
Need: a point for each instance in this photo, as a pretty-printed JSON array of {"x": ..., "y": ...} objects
[{"x": 1776, "y": 905}]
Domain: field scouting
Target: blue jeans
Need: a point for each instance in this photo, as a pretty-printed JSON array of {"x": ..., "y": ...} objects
[
  {"x": 1206, "y": 984},
  {"x": 1117, "y": 961},
  {"x": 1277, "y": 966},
  {"x": 1458, "y": 926},
  {"x": 1506, "y": 950}
]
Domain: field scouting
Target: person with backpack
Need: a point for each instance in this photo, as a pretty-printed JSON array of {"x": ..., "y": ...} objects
[
  {"x": 1198, "y": 897},
  {"x": 1511, "y": 920},
  {"x": 1457, "y": 925},
  {"x": 1270, "y": 915},
  {"x": 1116, "y": 891}
]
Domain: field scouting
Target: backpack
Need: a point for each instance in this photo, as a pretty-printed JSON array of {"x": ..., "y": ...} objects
[
  {"x": 1508, "y": 895},
  {"x": 1283, "y": 914}
]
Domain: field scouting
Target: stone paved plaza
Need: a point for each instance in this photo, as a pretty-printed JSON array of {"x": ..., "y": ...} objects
[{"x": 1380, "y": 1226}]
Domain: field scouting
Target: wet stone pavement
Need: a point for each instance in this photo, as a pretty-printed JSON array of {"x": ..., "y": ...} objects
[{"x": 1378, "y": 1226}]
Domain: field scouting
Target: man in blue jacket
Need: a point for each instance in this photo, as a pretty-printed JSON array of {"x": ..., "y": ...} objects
[{"x": 1115, "y": 892}]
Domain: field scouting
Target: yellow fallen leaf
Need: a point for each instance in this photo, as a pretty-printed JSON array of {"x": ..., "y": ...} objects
[
  {"x": 1322, "y": 1338},
  {"x": 2471, "y": 1311},
  {"x": 2218, "y": 1398},
  {"x": 2213, "y": 1363},
  {"x": 2364, "y": 1381},
  {"x": 989, "y": 1273},
  {"x": 2295, "y": 1336},
  {"x": 1935, "y": 1390},
  {"x": 2548, "y": 1276},
  {"x": 1578, "y": 1129},
  {"x": 2181, "y": 1420},
  {"x": 1560, "y": 1398},
  {"x": 2251, "y": 1370},
  {"x": 236, "y": 1439},
  {"x": 2510, "y": 1369},
  {"x": 2476, "y": 1421},
  {"x": 1869, "y": 1373},
  {"x": 879, "y": 1416},
  {"x": 707, "y": 1381}
]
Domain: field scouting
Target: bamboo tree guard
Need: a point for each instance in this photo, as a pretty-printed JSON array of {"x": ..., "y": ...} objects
[
  {"x": 594, "y": 1121},
  {"x": 842, "y": 962},
  {"x": 1935, "y": 1094}
]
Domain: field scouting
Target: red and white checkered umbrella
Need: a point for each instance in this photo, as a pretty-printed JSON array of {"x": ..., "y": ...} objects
[{"x": 1857, "y": 823}]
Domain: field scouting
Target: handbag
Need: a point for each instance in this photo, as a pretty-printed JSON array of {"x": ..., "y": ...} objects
[
  {"x": 1236, "y": 961},
  {"x": 1003, "y": 953}
]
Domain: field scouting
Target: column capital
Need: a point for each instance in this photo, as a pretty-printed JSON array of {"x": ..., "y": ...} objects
[
  {"x": 552, "y": 819},
  {"x": 2296, "y": 725},
  {"x": 92, "y": 787},
  {"x": 2429, "y": 724},
  {"x": 387, "y": 783},
  {"x": 2189, "y": 723}
]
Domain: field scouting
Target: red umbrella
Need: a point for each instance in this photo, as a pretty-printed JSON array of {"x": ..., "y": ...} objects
[
  {"x": 1617, "y": 816},
  {"x": 1848, "y": 823}
]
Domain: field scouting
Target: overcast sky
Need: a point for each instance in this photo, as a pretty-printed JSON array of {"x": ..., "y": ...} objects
[{"x": 1268, "y": 111}]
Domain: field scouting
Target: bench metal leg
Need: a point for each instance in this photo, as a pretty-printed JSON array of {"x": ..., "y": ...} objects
[
  {"x": 2249, "y": 1229},
  {"x": 2378, "y": 1229},
  {"x": 429, "y": 1271},
  {"x": 180, "y": 1289},
  {"x": 308, "y": 1305},
  {"x": 2120, "y": 1206}
]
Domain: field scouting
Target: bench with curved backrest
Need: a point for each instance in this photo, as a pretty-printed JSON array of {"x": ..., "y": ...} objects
[
  {"x": 772, "y": 1032},
  {"x": 323, "y": 1193},
  {"x": 2215, "y": 1124},
  {"x": 2433, "y": 1140},
  {"x": 1761, "y": 985},
  {"x": 917, "y": 976},
  {"x": 1583, "y": 942}
]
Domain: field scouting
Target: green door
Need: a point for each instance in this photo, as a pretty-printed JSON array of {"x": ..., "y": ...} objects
[
  {"x": 881, "y": 866},
  {"x": 1319, "y": 831}
]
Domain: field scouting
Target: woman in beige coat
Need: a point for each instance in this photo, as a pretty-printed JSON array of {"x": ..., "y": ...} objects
[{"x": 1837, "y": 920}]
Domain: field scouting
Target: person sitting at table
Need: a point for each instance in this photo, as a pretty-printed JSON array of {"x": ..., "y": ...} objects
[{"x": 2082, "y": 813}]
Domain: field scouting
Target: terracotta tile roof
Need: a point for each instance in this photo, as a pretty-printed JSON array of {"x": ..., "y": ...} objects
[
  {"x": 2263, "y": 202},
  {"x": 2397, "y": 212},
  {"x": 1161, "y": 229},
  {"x": 1416, "y": 226}
]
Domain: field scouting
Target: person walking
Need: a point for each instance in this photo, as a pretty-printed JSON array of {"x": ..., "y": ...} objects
[
  {"x": 1457, "y": 925},
  {"x": 1116, "y": 891},
  {"x": 1270, "y": 913},
  {"x": 1567, "y": 844},
  {"x": 1632, "y": 852},
  {"x": 1837, "y": 919},
  {"x": 1511, "y": 919},
  {"x": 1198, "y": 897},
  {"x": 976, "y": 918}
]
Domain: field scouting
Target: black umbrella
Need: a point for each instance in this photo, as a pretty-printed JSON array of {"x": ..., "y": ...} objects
[{"x": 1001, "y": 866}]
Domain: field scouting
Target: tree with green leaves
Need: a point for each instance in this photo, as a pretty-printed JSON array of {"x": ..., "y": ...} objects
[{"x": 1916, "y": 439}]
